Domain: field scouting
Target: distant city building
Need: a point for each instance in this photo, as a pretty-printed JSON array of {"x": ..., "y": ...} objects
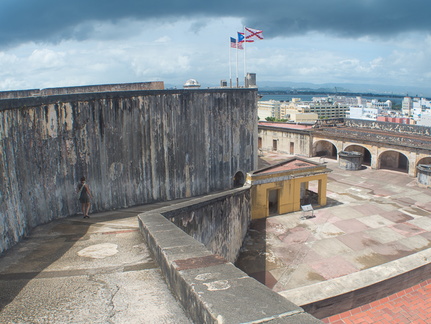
[
  {"x": 268, "y": 108},
  {"x": 420, "y": 106},
  {"x": 416, "y": 110},
  {"x": 399, "y": 120},
  {"x": 425, "y": 119},
  {"x": 407, "y": 106},
  {"x": 363, "y": 112},
  {"x": 296, "y": 116},
  {"x": 372, "y": 109},
  {"x": 323, "y": 107}
]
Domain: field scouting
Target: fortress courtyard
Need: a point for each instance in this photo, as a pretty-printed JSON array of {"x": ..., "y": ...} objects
[
  {"x": 99, "y": 270},
  {"x": 377, "y": 223}
]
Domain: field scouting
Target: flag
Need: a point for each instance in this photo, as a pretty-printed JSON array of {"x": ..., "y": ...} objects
[
  {"x": 235, "y": 44},
  {"x": 251, "y": 33},
  {"x": 241, "y": 38}
]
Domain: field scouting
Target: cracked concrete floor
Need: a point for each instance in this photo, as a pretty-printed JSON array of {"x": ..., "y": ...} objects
[{"x": 76, "y": 270}]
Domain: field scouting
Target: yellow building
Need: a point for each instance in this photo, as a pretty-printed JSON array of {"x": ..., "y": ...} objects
[{"x": 285, "y": 187}]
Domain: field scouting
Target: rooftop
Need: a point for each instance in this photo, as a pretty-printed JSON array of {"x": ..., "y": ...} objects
[
  {"x": 285, "y": 125},
  {"x": 288, "y": 165}
]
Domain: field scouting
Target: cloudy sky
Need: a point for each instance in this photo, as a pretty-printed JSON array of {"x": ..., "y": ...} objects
[{"x": 54, "y": 43}]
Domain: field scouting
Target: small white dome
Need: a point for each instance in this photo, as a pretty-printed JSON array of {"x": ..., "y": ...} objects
[{"x": 192, "y": 83}]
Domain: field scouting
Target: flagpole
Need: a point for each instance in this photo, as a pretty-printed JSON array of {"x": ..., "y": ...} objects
[
  {"x": 237, "y": 80},
  {"x": 230, "y": 67},
  {"x": 245, "y": 52}
]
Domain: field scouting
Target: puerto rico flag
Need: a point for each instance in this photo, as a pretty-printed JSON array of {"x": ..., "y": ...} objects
[{"x": 241, "y": 38}]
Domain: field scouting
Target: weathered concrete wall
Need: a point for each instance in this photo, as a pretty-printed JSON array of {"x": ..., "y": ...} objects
[
  {"x": 218, "y": 221},
  {"x": 389, "y": 127},
  {"x": 289, "y": 141},
  {"x": 134, "y": 147},
  {"x": 159, "y": 85}
]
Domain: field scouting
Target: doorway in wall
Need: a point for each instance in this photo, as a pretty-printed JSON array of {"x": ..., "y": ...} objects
[
  {"x": 309, "y": 192},
  {"x": 238, "y": 179},
  {"x": 273, "y": 196}
]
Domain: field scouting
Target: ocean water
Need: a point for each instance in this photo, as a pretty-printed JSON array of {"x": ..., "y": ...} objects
[{"x": 395, "y": 101}]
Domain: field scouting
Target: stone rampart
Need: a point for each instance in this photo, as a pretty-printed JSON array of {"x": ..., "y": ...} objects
[
  {"x": 210, "y": 288},
  {"x": 135, "y": 147},
  {"x": 358, "y": 135},
  {"x": 159, "y": 85},
  {"x": 219, "y": 221}
]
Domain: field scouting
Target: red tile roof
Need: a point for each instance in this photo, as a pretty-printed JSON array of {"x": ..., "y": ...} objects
[
  {"x": 285, "y": 125},
  {"x": 289, "y": 165}
]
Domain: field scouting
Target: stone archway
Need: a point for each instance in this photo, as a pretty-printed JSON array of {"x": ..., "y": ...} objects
[
  {"x": 238, "y": 179},
  {"x": 425, "y": 160},
  {"x": 366, "y": 154},
  {"x": 393, "y": 160},
  {"x": 422, "y": 162},
  {"x": 325, "y": 148}
]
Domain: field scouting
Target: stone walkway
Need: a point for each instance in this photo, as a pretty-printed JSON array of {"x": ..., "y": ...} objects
[
  {"x": 77, "y": 270},
  {"x": 373, "y": 217}
]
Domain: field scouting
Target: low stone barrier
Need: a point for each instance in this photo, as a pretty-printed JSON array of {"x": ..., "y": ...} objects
[
  {"x": 335, "y": 296},
  {"x": 219, "y": 221},
  {"x": 210, "y": 288}
]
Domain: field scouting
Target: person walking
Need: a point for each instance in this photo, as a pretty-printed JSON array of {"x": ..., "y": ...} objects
[{"x": 84, "y": 196}]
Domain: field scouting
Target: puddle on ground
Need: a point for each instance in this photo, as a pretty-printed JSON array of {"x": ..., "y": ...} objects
[
  {"x": 371, "y": 260},
  {"x": 415, "y": 211},
  {"x": 314, "y": 276}
]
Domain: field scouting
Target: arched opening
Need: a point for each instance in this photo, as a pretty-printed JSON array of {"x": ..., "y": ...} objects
[
  {"x": 325, "y": 149},
  {"x": 238, "y": 179},
  {"x": 366, "y": 154},
  {"x": 425, "y": 160},
  {"x": 393, "y": 160}
]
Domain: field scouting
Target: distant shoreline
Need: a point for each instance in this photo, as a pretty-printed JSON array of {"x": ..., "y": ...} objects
[
  {"x": 285, "y": 96},
  {"x": 321, "y": 93}
]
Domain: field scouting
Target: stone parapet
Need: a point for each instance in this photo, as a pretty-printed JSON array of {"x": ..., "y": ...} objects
[
  {"x": 159, "y": 85},
  {"x": 389, "y": 127},
  {"x": 210, "y": 288}
]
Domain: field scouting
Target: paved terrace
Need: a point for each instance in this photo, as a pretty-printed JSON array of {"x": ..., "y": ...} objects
[
  {"x": 95, "y": 270},
  {"x": 99, "y": 270},
  {"x": 376, "y": 226}
]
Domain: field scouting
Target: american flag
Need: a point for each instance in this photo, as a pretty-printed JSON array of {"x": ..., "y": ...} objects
[{"x": 235, "y": 44}]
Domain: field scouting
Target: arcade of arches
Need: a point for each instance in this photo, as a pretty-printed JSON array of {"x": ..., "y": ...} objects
[{"x": 375, "y": 157}]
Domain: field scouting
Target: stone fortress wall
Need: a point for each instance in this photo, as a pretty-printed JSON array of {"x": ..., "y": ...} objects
[
  {"x": 134, "y": 146},
  {"x": 158, "y": 85}
]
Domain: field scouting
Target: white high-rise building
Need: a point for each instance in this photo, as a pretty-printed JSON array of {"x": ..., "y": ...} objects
[
  {"x": 268, "y": 108},
  {"x": 407, "y": 105}
]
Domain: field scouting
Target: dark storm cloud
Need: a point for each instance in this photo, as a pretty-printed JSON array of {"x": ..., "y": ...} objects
[{"x": 54, "y": 20}]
